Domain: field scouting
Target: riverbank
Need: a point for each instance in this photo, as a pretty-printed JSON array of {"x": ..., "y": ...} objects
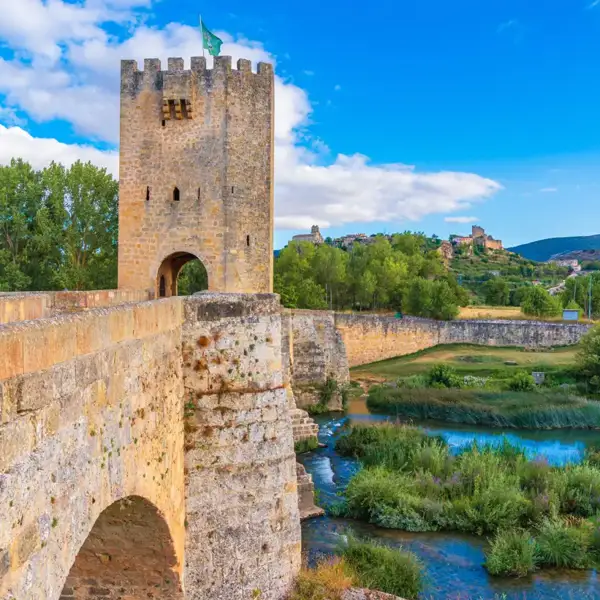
[
  {"x": 537, "y": 409},
  {"x": 411, "y": 481},
  {"x": 453, "y": 561}
]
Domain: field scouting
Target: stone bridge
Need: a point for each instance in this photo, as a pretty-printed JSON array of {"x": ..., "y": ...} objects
[
  {"x": 146, "y": 452},
  {"x": 146, "y": 447}
]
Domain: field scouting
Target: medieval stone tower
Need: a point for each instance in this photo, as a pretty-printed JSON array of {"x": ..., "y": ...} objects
[{"x": 196, "y": 174}]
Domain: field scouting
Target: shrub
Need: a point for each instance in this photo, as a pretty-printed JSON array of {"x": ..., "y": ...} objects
[
  {"x": 385, "y": 569},
  {"x": 580, "y": 495},
  {"x": 327, "y": 581},
  {"x": 560, "y": 545},
  {"x": 588, "y": 358},
  {"x": 512, "y": 553},
  {"x": 521, "y": 382},
  {"x": 306, "y": 445},
  {"x": 444, "y": 376},
  {"x": 537, "y": 302}
]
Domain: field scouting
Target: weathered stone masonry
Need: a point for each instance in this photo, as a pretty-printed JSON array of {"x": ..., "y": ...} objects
[
  {"x": 369, "y": 338},
  {"x": 196, "y": 174},
  {"x": 94, "y": 493}
]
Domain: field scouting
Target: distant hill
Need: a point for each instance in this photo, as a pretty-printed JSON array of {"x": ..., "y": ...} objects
[{"x": 543, "y": 250}]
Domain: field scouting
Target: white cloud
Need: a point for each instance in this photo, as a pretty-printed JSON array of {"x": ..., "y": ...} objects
[
  {"x": 550, "y": 190},
  {"x": 66, "y": 67},
  {"x": 461, "y": 219},
  {"x": 40, "y": 152}
]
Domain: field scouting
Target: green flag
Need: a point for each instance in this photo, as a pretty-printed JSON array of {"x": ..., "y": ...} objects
[{"x": 210, "y": 41}]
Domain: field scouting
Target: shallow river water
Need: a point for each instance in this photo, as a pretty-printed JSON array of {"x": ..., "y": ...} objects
[{"x": 453, "y": 562}]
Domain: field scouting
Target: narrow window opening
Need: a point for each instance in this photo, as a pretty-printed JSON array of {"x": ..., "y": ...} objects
[
  {"x": 147, "y": 193},
  {"x": 172, "y": 108},
  {"x": 198, "y": 193},
  {"x": 164, "y": 122},
  {"x": 176, "y": 194},
  {"x": 184, "y": 112},
  {"x": 232, "y": 189},
  {"x": 248, "y": 241},
  {"x": 162, "y": 287}
]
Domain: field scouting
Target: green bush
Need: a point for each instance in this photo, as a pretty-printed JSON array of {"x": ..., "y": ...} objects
[
  {"x": 537, "y": 302},
  {"x": 521, "y": 382},
  {"x": 443, "y": 375},
  {"x": 306, "y": 445},
  {"x": 560, "y": 545},
  {"x": 410, "y": 481},
  {"x": 384, "y": 569},
  {"x": 512, "y": 553}
]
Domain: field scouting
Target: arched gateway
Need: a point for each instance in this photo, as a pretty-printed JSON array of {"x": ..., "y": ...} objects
[
  {"x": 129, "y": 554},
  {"x": 168, "y": 274}
]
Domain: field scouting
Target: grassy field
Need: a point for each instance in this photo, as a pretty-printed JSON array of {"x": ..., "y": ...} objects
[
  {"x": 490, "y": 312},
  {"x": 468, "y": 359}
]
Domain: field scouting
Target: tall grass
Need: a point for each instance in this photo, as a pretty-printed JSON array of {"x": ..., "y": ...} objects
[
  {"x": 522, "y": 410},
  {"x": 411, "y": 481},
  {"x": 385, "y": 569},
  {"x": 362, "y": 564}
]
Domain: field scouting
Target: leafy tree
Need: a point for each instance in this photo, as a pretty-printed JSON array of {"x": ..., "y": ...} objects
[
  {"x": 588, "y": 357},
  {"x": 58, "y": 227},
  {"x": 539, "y": 303},
  {"x": 192, "y": 278},
  {"x": 497, "y": 292}
]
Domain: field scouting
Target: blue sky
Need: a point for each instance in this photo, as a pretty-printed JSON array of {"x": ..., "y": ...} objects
[{"x": 493, "y": 104}]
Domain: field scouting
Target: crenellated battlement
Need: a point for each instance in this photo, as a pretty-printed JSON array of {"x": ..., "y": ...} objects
[{"x": 198, "y": 75}]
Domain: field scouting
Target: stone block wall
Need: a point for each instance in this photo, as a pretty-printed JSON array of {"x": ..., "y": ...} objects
[
  {"x": 318, "y": 354},
  {"x": 29, "y": 306},
  {"x": 370, "y": 338},
  {"x": 243, "y": 533},
  {"x": 91, "y": 409}
]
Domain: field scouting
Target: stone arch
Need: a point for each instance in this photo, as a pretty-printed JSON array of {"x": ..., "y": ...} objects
[
  {"x": 129, "y": 553},
  {"x": 168, "y": 272}
]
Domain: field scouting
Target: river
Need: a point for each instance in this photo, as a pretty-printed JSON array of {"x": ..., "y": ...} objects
[{"x": 453, "y": 561}]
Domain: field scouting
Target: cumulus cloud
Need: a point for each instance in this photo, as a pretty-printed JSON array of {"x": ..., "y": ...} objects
[
  {"x": 66, "y": 67},
  {"x": 40, "y": 152},
  {"x": 461, "y": 219}
]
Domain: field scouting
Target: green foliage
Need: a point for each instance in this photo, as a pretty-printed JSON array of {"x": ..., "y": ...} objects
[
  {"x": 537, "y": 512},
  {"x": 544, "y": 409},
  {"x": 588, "y": 357},
  {"x": 373, "y": 276},
  {"x": 497, "y": 292},
  {"x": 576, "y": 294},
  {"x": 442, "y": 375},
  {"x": 385, "y": 569},
  {"x": 192, "y": 278},
  {"x": 512, "y": 553},
  {"x": 563, "y": 546},
  {"x": 306, "y": 445},
  {"x": 539, "y": 303},
  {"x": 521, "y": 381},
  {"x": 58, "y": 227}
]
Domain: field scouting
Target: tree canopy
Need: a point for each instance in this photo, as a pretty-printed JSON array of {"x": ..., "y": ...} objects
[
  {"x": 404, "y": 273},
  {"x": 58, "y": 227}
]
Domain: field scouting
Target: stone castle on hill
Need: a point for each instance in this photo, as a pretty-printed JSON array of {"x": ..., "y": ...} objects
[
  {"x": 147, "y": 439},
  {"x": 479, "y": 238}
]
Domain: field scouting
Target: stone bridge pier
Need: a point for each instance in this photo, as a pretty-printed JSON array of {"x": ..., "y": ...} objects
[{"x": 146, "y": 452}]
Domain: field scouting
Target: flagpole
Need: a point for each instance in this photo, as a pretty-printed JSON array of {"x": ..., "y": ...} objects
[{"x": 202, "y": 35}]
